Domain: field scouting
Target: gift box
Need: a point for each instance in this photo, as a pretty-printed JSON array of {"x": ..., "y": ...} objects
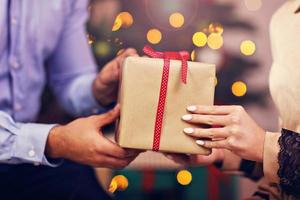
[{"x": 154, "y": 95}]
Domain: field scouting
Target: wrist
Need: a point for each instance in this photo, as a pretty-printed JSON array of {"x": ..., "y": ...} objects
[{"x": 54, "y": 144}]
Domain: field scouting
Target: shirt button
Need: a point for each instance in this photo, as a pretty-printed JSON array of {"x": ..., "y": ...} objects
[
  {"x": 14, "y": 21},
  {"x": 14, "y": 63},
  {"x": 17, "y": 107},
  {"x": 31, "y": 153}
]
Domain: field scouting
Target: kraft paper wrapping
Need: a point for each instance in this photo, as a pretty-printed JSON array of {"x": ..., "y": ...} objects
[{"x": 139, "y": 94}]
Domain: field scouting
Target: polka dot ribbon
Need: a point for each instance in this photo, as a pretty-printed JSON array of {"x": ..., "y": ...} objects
[{"x": 167, "y": 56}]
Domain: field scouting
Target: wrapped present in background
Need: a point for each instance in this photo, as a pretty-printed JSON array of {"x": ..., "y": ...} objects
[{"x": 154, "y": 95}]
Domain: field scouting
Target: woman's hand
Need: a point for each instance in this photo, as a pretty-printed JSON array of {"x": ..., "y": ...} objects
[{"x": 233, "y": 129}]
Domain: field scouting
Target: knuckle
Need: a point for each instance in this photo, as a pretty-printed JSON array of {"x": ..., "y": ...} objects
[
  {"x": 231, "y": 142},
  {"x": 235, "y": 118},
  {"x": 210, "y": 120},
  {"x": 239, "y": 109},
  {"x": 234, "y": 130}
]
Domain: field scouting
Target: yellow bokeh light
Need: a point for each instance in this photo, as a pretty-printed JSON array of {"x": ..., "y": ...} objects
[
  {"x": 126, "y": 18},
  {"x": 119, "y": 182},
  {"x": 215, "y": 41},
  {"x": 176, "y": 20},
  {"x": 216, "y": 81},
  {"x": 253, "y": 5},
  {"x": 248, "y": 47},
  {"x": 193, "y": 55},
  {"x": 199, "y": 39},
  {"x": 102, "y": 48},
  {"x": 215, "y": 28},
  {"x": 154, "y": 36},
  {"x": 117, "y": 24},
  {"x": 91, "y": 39},
  {"x": 184, "y": 177},
  {"x": 239, "y": 88}
]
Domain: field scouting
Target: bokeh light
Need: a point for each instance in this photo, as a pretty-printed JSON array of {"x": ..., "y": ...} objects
[
  {"x": 193, "y": 55},
  {"x": 154, "y": 36},
  {"x": 248, "y": 47},
  {"x": 91, "y": 39},
  {"x": 215, "y": 41},
  {"x": 184, "y": 177},
  {"x": 199, "y": 39},
  {"x": 176, "y": 20},
  {"x": 102, "y": 48},
  {"x": 126, "y": 18},
  {"x": 239, "y": 88},
  {"x": 117, "y": 24},
  {"x": 215, "y": 28},
  {"x": 253, "y": 5},
  {"x": 118, "y": 182},
  {"x": 216, "y": 81}
]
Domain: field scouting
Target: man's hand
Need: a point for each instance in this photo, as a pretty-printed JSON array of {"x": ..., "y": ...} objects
[
  {"x": 217, "y": 155},
  {"x": 105, "y": 86},
  {"x": 82, "y": 141}
]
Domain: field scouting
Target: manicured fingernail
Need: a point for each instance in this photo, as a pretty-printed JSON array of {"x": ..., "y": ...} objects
[
  {"x": 188, "y": 130},
  {"x": 187, "y": 117},
  {"x": 191, "y": 108},
  {"x": 200, "y": 142}
]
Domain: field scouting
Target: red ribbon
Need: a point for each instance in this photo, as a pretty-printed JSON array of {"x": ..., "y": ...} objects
[{"x": 167, "y": 56}]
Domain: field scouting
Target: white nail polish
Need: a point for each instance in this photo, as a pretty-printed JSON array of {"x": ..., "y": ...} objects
[
  {"x": 187, "y": 117},
  {"x": 188, "y": 130},
  {"x": 192, "y": 108},
  {"x": 200, "y": 142}
]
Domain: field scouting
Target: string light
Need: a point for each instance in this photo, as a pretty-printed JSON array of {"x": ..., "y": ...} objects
[
  {"x": 119, "y": 182},
  {"x": 102, "y": 48},
  {"x": 193, "y": 55},
  {"x": 176, "y": 20},
  {"x": 154, "y": 36},
  {"x": 199, "y": 39},
  {"x": 216, "y": 81},
  {"x": 126, "y": 18},
  {"x": 248, "y": 47},
  {"x": 215, "y": 28},
  {"x": 91, "y": 39},
  {"x": 239, "y": 88},
  {"x": 117, "y": 24},
  {"x": 215, "y": 41},
  {"x": 184, "y": 177},
  {"x": 253, "y": 5}
]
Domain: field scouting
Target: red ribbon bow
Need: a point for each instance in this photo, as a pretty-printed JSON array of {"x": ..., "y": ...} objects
[{"x": 167, "y": 56}]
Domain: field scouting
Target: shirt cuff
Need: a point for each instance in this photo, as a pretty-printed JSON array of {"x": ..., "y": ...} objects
[
  {"x": 82, "y": 97},
  {"x": 270, "y": 160},
  {"x": 31, "y": 142}
]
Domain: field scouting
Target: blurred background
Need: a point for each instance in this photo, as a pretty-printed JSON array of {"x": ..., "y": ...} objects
[{"x": 233, "y": 34}]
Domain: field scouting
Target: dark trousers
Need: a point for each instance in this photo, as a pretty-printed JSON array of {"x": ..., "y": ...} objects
[{"x": 70, "y": 181}]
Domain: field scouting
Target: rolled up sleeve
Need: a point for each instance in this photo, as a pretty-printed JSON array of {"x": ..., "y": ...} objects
[{"x": 23, "y": 142}]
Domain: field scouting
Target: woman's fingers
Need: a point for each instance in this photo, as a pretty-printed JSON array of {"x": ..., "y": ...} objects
[
  {"x": 212, "y": 110},
  {"x": 212, "y": 133},
  {"x": 218, "y": 144},
  {"x": 221, "y": 120}
]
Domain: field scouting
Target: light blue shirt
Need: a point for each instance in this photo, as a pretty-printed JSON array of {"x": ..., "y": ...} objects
[{"x": 41, "y": 41}]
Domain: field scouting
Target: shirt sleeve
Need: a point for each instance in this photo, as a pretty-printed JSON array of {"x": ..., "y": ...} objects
[
  {"x": 23, "y": 142},
  {"x": 71, "y": 66}
]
